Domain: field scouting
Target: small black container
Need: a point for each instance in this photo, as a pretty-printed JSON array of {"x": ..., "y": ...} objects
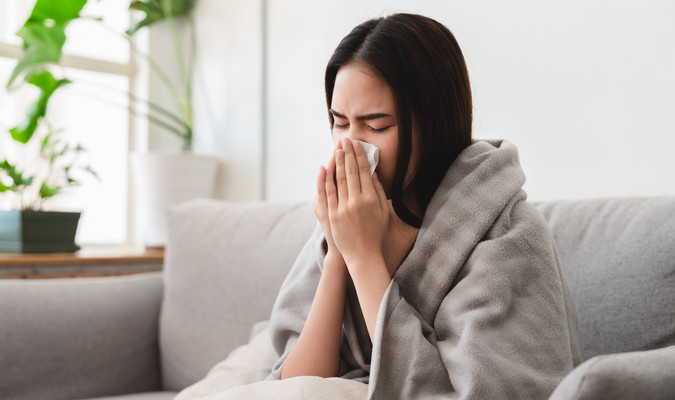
[{"x": 30, "y": 231}]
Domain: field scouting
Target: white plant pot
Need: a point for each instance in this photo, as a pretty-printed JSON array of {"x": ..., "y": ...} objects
[{"x": 162, "y": 179}]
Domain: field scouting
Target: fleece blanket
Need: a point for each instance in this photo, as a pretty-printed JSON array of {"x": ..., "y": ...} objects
[{"x": 479, "y": 309}]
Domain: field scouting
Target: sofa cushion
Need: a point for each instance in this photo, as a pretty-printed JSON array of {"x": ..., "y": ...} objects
[
  {"x": 213, "y": 298},
  {"x": 619, "y": 257},
  {"x": 646, "y": 375}
]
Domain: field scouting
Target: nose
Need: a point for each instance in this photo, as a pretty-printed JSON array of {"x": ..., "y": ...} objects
[
  {"x": 352, "y": 133},
  {"x": 356, "y": 134}
]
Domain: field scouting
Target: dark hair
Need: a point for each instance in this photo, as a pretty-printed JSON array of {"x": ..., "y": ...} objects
[{"x": 423, "y": 65}]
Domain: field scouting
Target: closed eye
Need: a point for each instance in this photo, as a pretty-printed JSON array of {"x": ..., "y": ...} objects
[
  {"x": 338, "y": 126},
  {"x": 378, "y": 130}
]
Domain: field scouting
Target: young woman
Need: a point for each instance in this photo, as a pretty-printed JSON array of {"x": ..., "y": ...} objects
[{"x": 432, "y": 277}]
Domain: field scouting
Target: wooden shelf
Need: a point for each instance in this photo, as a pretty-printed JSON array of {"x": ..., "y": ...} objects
[
  {"x": 88, "y": 255},
  {"x": 89, "y": 262}
]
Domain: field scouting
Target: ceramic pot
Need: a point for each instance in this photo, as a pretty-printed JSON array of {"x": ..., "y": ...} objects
[
  {"x": 30, "y": 231},
  {"x": 162, "y": 179}
]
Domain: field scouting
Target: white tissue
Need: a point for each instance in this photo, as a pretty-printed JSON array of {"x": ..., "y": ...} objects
[{"x": 372, "y": 153}]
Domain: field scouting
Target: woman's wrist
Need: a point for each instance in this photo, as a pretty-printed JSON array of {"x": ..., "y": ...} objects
[
  {"x": 333, "y": 263},
  {"x": 363, "y": 265},
  {"x": 371, "y": 279},
  {"x": 317, "y": 351}
]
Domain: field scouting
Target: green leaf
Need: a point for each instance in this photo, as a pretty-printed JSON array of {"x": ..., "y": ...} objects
[
  {"x": 47, "y": 84},
  {"x": 15, "y": 175},
  {"x": 5, "y": 188},
  {"x": 42, "y": 46},
  {"x": 64, "y": 150},
  {"x": 44, "y": 34},
  {"x": 11, "y": 171},
  {"x": 92, "y": 172},
  {"x": 45, "y": 143},
  {"x": 5, "y": 166},
  {"x": 61, "y": 11},
  {"x": 154, "y": 11},
  {"x": 47, "y": 191}
]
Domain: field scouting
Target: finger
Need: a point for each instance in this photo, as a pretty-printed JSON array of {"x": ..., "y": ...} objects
[
  {"x": 331, "y": 162},
  {"x": 379, "y": 189},
  {"x": 340, "y": 177},
  {"x": 319, "y": 180},
  {"x": 363, "y": 168},
  {"x": 331, "y": 194},
  {"x": 351, "y": 168},
  {"x": 321, "y": 187}
]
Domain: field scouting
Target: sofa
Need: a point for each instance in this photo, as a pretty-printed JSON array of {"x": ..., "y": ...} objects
[{"x": 148, "y": 336}]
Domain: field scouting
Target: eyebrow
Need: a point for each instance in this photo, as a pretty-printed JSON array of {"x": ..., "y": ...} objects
[{"x": 365, "y": 117}]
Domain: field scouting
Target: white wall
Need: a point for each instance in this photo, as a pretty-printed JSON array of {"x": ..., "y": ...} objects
[
  {"x": 584, "y": 88},
  {"x": 227, "y": 93}
]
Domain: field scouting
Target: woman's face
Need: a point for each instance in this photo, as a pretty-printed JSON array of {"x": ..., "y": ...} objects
[{"x": 363, "y": 109}]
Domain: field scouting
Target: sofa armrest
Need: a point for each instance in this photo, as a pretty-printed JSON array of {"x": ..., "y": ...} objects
[
  {"x": 648, "y": 375},
  {"x": 77, "y": 338}
]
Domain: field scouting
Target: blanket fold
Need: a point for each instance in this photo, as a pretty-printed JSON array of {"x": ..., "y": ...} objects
[{"x": 480, "y": 308}]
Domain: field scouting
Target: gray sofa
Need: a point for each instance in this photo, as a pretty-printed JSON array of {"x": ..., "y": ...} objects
[{"x": 145, "y": 337}]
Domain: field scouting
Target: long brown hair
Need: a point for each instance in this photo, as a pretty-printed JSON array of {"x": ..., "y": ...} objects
[{"x": 422, "y": 63}]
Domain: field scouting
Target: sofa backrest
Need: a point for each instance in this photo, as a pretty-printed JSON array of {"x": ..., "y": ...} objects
[
  {"x": 619, "y": 258},
  {"x": 224, "y": 265}
]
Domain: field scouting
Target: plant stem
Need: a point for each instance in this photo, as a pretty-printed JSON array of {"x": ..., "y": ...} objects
[
  {"x": 177, "y": 99},
  {"x": 183, "y": 106},
  {"x": 132, "y": 111},
  {"x": 161, "y": 123},
  {"x": 154, "y": 106},
  {"x": 193, "y": 54},
  {"x": 21, "y": 199},
  {"x": 180, "y": 58}
]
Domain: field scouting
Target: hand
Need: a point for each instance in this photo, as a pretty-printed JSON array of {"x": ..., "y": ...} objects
[
  {"x": 321, "y": 212},
  {"x": 357, "y": 206}
]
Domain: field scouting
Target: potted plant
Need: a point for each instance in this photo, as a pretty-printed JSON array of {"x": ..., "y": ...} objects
[
  {"x": 55, "y": 166},
  {"x": 160, "y": 178},
  {"x": 166, "y": 178},
  {"x": 27, "y": 228}
]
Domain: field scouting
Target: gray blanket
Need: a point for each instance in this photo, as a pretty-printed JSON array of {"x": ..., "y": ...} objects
[{"x": 480, "y": 308}]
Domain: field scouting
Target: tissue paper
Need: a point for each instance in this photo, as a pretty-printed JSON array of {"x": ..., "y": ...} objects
[{"x": 372, "y": 153}]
